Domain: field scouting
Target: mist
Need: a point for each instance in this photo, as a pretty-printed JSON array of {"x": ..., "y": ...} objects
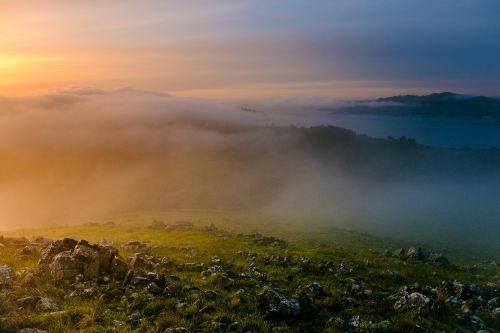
[{"x": 84, "y": 155}]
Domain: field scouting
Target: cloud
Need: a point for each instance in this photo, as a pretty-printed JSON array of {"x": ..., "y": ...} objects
[{"x": 90, "y": 116}]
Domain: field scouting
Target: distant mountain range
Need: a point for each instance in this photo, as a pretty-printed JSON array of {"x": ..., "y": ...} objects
[{"x": 437, "y": 104}]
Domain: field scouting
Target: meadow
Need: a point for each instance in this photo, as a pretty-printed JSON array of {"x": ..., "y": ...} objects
[{"x": 213, "y": 271}]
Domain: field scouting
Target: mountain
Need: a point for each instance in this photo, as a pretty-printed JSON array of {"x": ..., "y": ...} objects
[{"x": 436, "y": 104}]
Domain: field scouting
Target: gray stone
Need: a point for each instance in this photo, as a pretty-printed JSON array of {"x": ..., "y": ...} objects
[
  {"x": 276, "y": 305},
  {"x": 7, "y": 276},
  {"x": 45, "y": 304},
  {"x": 82, "y": 261}
]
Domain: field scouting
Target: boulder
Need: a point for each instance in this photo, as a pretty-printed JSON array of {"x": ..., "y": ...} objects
[
  {"x": 54, "y": 248},
  {"x": 415, "y": 253},
  {"x": 89, "y": 258},
  {"x": 119, "y": 268},
  {"x": 69, "y": 260},
  {"x": 65, "y": 266},
  {"x": 276, "y": 305},
  {"x": 107, "y": 254}
]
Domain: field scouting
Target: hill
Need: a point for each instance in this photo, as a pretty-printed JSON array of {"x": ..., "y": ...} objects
[{"x": 445, "y": 104}]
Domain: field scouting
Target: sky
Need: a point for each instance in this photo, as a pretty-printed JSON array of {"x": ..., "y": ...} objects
[{"x": 252, "y": 49}]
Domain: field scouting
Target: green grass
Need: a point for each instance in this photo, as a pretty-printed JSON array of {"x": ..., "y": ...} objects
[{"x": 235, "y": 300}]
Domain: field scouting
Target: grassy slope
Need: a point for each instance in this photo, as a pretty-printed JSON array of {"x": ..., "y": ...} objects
[
  {"x": 301, "y": 230},
  {"x": 361, "y": 252}
]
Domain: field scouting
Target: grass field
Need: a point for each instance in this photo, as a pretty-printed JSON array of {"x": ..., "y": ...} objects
[{"x": 217, "y": 280}]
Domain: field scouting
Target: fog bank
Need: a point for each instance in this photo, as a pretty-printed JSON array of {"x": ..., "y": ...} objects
[{"x": 80, "y": 155}]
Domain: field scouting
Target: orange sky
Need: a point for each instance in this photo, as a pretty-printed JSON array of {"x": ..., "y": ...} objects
[{"x": 239, "y": 49}]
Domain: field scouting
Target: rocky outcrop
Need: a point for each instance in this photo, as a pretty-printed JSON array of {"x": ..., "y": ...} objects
[
  {"x": 68, "y": 259},
  {"x": 418, "y": 254}
]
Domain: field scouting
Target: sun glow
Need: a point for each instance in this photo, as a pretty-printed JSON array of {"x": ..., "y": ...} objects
[
  {"x": 6, "y": 62},
  {"x": 20, "y": 72}
]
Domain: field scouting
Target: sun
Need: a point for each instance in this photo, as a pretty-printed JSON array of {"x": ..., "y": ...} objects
[{"x": 7, "y": 62}]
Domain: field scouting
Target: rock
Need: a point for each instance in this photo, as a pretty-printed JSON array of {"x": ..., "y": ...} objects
[
  {"x": 56, "y": 247},
  {"x": 119, "y": 268},
  {"x": 314, "y": 290},
  {"x": 394, "y": 275},
  {"x": 69, "y": 260},
  {"x": 135, "y": 245},
  {"x": 476, "y": 321},
  {"x": 41, "y": 242},
  {"x": 439, "y": 259},
  {"x": 89, "y": 293},
  {"x": 59, "y": 315},
  {"x": 31, "y": 280},
  {"x": 89, "y": 259},
  {"x": 176, "y": 330},
  {"x": 412, "y": 301},
  {"x": 7, "y": 276},
  {"x": 383, "y": 325},
  {"x": 399, "y": 252},
  {"x": 415, "y": 253},
  {"x": 45, "y": 304},
  {"x": 142, "y": 261},
  {"x": 106, "y": 255},
  {"x": 158, "y": 225},
  {"x": 153, "y": 288},
  {"x": 191, "y": 267},
  {"x": 324, "y": 266},
  {"x": 276, "y": 305},
  {"x": 463, "y": 291},
  {"x": 454, "y": 301},
  {"x": 29, "y": 251},
  {"x": 211, "y": 295},
  {"x": 212, "y": 271},
  {"x": 28, "y": 303},
  {"x": 134, "y": 317},
  {"x": 212, "y": 229},
  {"x": 65, "y": 267},
  {"x": 343, "y": 269},
  {"x": 182, "y": 225},
  {"x": 493, "y": 303},
  {"x": 267, "y": 241}
]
